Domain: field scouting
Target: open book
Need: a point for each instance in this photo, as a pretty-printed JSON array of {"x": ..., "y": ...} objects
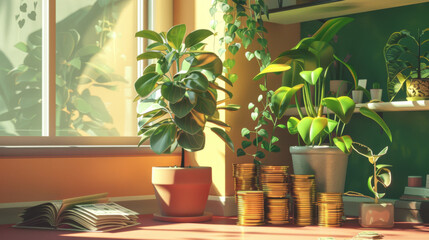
[{"x": 86, "y": 213}]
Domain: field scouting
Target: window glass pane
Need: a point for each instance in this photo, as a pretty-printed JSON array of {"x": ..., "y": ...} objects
[
  {"x": 20, "y": 68},
  {"x": 95, "y": 67}
]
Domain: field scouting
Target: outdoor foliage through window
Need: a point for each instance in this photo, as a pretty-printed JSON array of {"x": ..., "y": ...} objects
[{"x": 94, "y": 68}]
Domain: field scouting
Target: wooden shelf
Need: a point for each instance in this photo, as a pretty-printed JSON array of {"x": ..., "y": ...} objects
[
  {"x": 333, "y": 9},
  {"x": 399, "y": 106}
]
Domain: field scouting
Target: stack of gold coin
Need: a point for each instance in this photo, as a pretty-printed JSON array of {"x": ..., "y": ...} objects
[
  {"x": 250, "y": 208},
  {"x": 331, "y": 209},
  {"x": 274, "y": 180},
  {"x": 245, "y": 176},
  {"x": 277, "y": 210},
  {"x": 304, "y": 197}
]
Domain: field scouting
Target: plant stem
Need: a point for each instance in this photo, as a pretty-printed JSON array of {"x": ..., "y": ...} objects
[
  {"x": 182, "y": 161},
  {"x": 375, "y": 181},
  {"x": 419, "y": 75}
]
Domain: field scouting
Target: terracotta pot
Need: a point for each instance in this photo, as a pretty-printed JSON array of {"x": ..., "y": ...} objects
[
  {"x": 376, "y": 215},
  {"x": 376, "y": 94},
  {"x": 182, "y": 192},
  {"x": 338, "y": 87},
  {"x": 418, "y": 89},
  {"x": 328, "y": 164}
]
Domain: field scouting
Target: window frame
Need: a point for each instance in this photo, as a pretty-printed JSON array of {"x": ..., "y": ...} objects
[{"x": 49, "y": 143}]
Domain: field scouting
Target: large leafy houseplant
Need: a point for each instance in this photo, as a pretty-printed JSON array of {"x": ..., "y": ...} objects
[
  {"x": 178, "y": 93},
  {"x": 406, "y": 60},
  {"x": 305, "y": 67}
]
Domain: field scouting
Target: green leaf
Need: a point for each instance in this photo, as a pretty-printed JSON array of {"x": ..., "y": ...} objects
[
  {"x": 332, "y": 124},
  {"x": 172, "y": 92},
  {"x": 157, "y": 47},
  {"x": 233, "y": 77},
  {"x": 145, "y": 84},
  {"x": 245, "y": 133},
  {"x": 149, "y": 55},
  {"x": 259, "y": 155},
  {"x": 190, "y": 142},
  {"x": 224, "y": 136},
  {"x": 351, "y": 70},
  {"x": 370, "y": 187},
  {"x": 208, "y": 61},
  {"x": 292, "y": 125},
  {"x": 218, "y": 122},
  {"x": 282, "y": 126},
  {"x": 311, "y": 76},
  {"x": 254, "y": 116},
  {"x": 206, "y": 104},
  {"x": 196, "y": 37},
  {"x": 343, "y": 107},
  {"x": 281, "y": 99},
  {"x": 250, "y": 106},
  {"x": 245, "y": 144},
  {"x": 363, "y": 150},
  {"x": 374, "y": 116},
  {"x": 162, "y": 138},
  {"x": 262, "y": 132},
  {"x": 260, "y": 97},
  {"x": 240, "y": 152},
  {"x": 330, "y": 28},
  {"x": 175, "y": 35},
  {"x": 233, "y": 48},
  {"x": 272, "y": 68},
  {"x": 249, "y": 55},
  {"x": 149, "y": 34},
  {"x": 263, "y": 88},
  {"x": 146, "y": 135},
  {"x": 76, "y": 63},
  {"x": 214, "y": 86},
  {"x": 191, "y": 123},
  {"x": 274, "y": 139},
  {"x": 257, "y": 140},
  {"x": 223, "y": 78},
  {"x": 22, "y": 46},
  {"x": 274, "y": 148},
  {"x": 182, "y": 107},
  {"x": 383, "y": 152},
  {"x": 196, "y": 81},
  {"x": 384, "y": 176},
  {"x": 344, "y": 143},
  {"x": 310, "y": 128},
  {"x": 82, "y": 106}
]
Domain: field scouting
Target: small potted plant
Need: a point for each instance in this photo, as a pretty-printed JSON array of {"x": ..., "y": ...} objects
[
  {"x": 178, "y": 100},
  {"x": 305, "y": 67},
  {"x": 375, "y": 214},
  {"x": 376, "y": 92},
  {"x": 406, "y": 62}
]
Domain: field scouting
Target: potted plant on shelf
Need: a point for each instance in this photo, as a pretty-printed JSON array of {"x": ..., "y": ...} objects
[
  {"x": 407, "y": 63},
  {"x": 305, "y": 66},
  {"x": 178, "y": 98},
  {"x": 376, "y": 92},
  {"x": 375, "y": 214}
]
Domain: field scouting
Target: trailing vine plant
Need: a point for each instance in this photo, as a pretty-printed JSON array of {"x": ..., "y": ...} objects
[{"x": 243, "y": 25}]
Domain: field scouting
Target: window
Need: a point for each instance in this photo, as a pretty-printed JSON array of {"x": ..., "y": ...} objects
[{"x": 67, "y": 71}]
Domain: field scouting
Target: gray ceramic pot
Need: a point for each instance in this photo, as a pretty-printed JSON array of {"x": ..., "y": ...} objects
[{"x": 328, "y": 164}]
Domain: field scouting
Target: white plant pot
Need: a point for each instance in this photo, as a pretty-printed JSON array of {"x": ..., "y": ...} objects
[
  {"x": 328, "y": 164},
  {"x": 357, "y": 96},
  {"x": 376, "y": 94},
  {"x": 373, "y": 215},
  {"x": 339, "y": 87}
]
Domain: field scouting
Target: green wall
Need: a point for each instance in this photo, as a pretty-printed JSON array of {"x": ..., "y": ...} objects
[{"x": 364, "y": 40}]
